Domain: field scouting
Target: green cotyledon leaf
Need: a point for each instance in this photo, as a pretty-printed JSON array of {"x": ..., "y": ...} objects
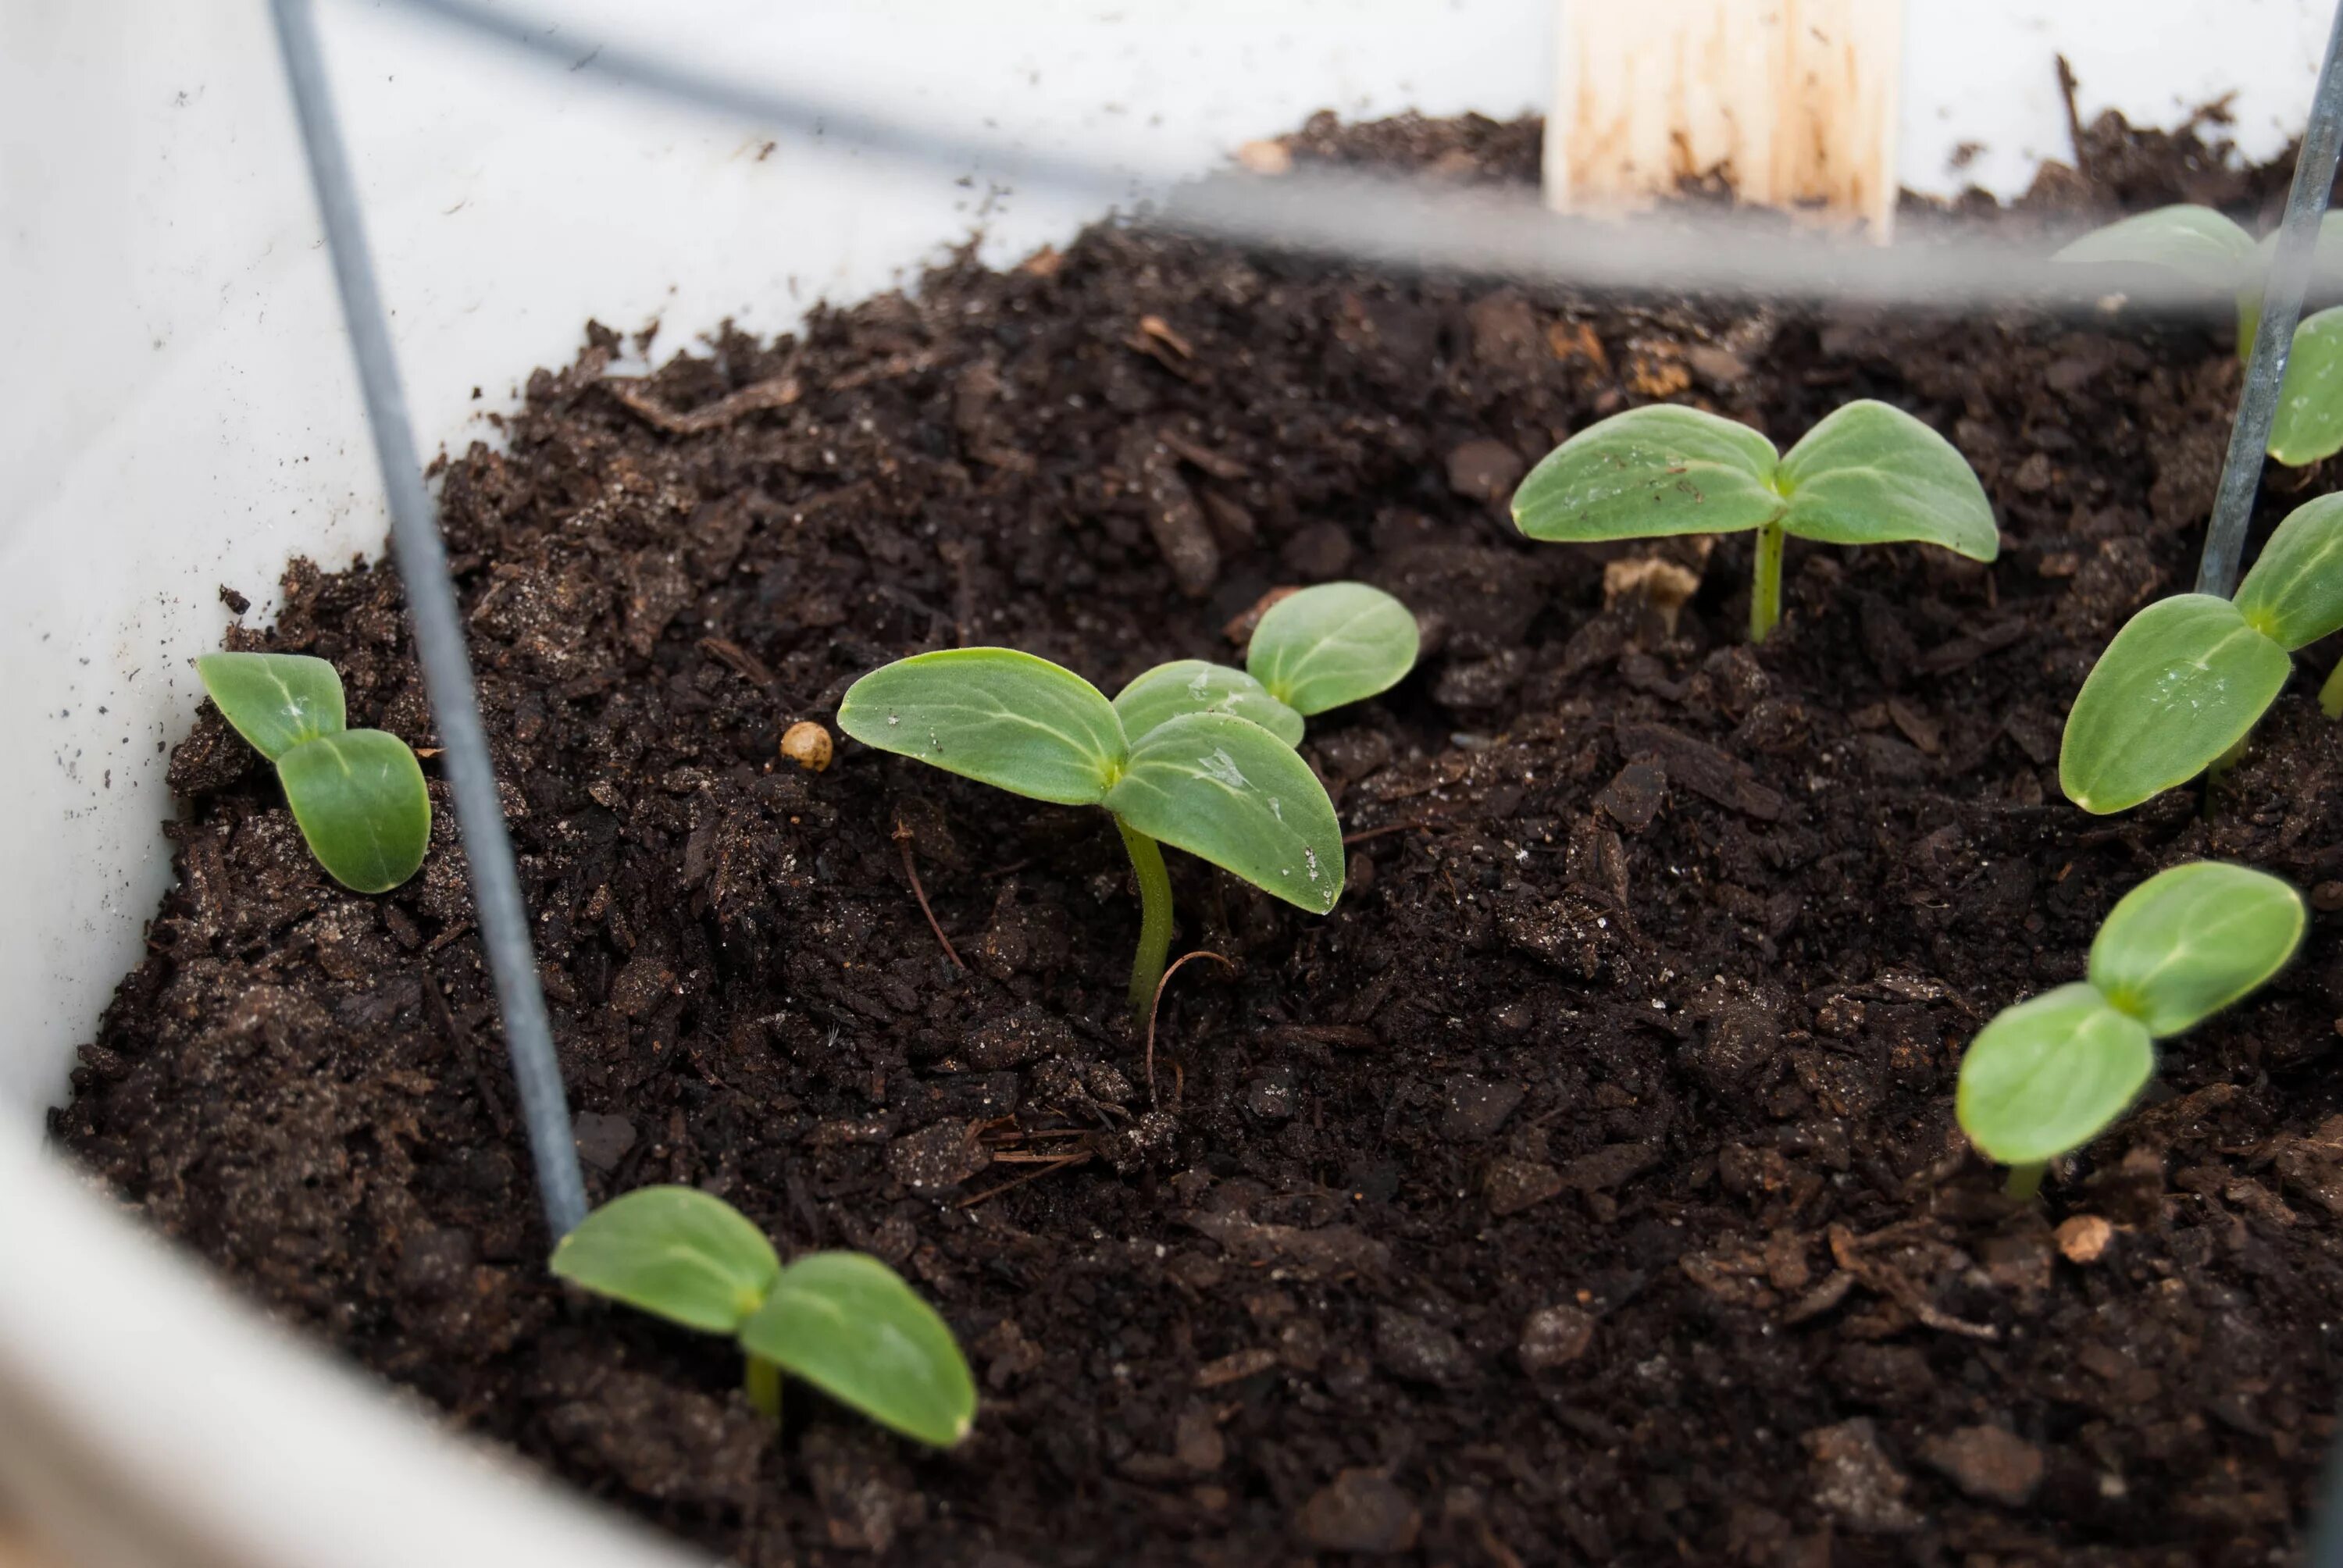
[
  {"x": 2195, "y": 241},
  {"x": 1871, "y": 474},
  {"x": 2181, "y": 683},
  {"x": 674, "y": 1252},
  {"x": 1649, "y": 471},
  {"x": 360, "y": 800},
  {"x": 2047, "y": 1076},
  {"x": 2294, "y": 595},
  {"x": 1227, "y": 790},
  {"x": 1194, "y": 685},
  {"x": 275, "y": 700},
  {"x": 992, "y": 714},
  {"x": 1333, "y": 644},
  {"x": 848, "y": 1325},
  {"x": 2188, "y": 942},
  {"x": 2308, "y": 423}
]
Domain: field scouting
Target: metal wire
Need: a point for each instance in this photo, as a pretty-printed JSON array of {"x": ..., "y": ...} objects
[
  {"x": 439, "y": 635},
  {"x": 1415, "y": 224},
  {"x": 2289, "y": 277}
]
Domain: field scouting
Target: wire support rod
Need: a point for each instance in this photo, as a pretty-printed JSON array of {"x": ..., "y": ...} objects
[{"x": 438, "y": 634}]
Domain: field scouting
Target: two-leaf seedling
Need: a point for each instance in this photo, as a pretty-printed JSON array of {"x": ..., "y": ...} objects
[
  {"x": 1314, "y": 650},
  {"x": 1868, "y": 474},
  {"x": 844, "y": 1321},
  {"x": 357, "y": 794},
  {"x": 2187, "y": 679},
  {"x": 1191, "y": 761},
  {"x": 2206, "y": 248},
  {"x": 2048, "y": 1075}
]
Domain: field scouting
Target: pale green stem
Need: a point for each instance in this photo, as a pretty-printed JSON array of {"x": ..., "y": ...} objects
[
  {"x": 763, "y": 1381},
  {"x": 2220, "y": 769},
  {"x": 1154, "y": 917},
  {"x": 2025, "y": 1180},
  {"x": 2330, "y": 696},
  {"x": 1765, "y": 593}
]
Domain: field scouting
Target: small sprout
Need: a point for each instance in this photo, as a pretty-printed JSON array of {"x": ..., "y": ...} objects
[
  {"x": 807, "y": 744},
  {"x": 844, "y": 1321},
  {"x": 2048, "y": 1075},
  {"x": 1868, "y": 474},
  {"x": 2308, "y": 424},
  {"x": 2188, "y": 677},
  {"x": 1318, "y": 649},
  {"x": 1212, "y": 783},
  {"x": 357, "y": 794},
  {"x": 2206, "y": 248}
]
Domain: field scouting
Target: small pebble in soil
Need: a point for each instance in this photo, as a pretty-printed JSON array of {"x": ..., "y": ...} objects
[
  {"x": 2083, "y": 1238},
  {"x": 1484, "y": 470},
  {"x": 603, "y": 1139},
  {"x": 1554, "y": 1336},
  {"x": 1476, "y": 1107},
  {"x": 1855, "y": 1483},
  {"x": 808, "y": 745},
  {"x": 1407, "y": 1346},
  {"x": 1987, "y": 1462},
  {"x": 1361, "y": 1512},
  {"x": 1271, "y": 1096},
  {"x": 936, "y": 1159}
]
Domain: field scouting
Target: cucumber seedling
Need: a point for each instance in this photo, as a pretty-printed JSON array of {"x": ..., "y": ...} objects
[
  {"x": 1868, "y": 474},
  {"x": 2187, "y": 679},
  {"x": 844, "y": 1321},
  {"x": 357, "y": 794},
  {"x": 2049, "y": 1074},
  {"x": 1314, "y": 650},
  {"x": 2202, "y": 245},
  {"x": 1214, "y": 783}
]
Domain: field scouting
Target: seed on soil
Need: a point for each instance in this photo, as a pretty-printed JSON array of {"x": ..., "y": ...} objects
[{"x": 808, "y": 745}]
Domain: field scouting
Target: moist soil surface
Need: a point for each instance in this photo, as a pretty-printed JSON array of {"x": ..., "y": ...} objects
[{"x": 1586, "y": 1189}]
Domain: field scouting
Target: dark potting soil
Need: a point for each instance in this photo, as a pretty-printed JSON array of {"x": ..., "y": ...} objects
[{"x": 1586, "y": 1189}]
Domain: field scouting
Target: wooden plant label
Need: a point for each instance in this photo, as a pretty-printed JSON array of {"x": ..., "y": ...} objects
[{"x": 1793, "y": 102}]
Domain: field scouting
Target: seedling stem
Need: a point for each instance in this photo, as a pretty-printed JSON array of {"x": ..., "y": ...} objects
[
  {"x": 2330, "y": 696},
  {"x": 1765, "y": 593},
  {"x": 762, "y": 1381},
  {"x": 2025, "y": 1180},
  {"x": 1154, "y": 917}
]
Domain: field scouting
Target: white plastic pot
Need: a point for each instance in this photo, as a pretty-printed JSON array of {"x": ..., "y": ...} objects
[{"x": 179, "y": 413}]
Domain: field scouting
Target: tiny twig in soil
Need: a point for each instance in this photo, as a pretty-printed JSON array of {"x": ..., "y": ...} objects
[
  {"x": 777, "y": 392},
  {"x": 743, "y": 663},
  {"x": 1364, "y": 834},
  {"x": 911, "y": 869},
  {"x": 973, "y": 1198},
  {"x": 1155, "y": 1005},
  {"x": 2066, "y": 85},
  {"x": 435, "y": 1002}
]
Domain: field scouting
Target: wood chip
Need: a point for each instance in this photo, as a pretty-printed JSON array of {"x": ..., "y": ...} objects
[{"x": 1235, "y": 1368}]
